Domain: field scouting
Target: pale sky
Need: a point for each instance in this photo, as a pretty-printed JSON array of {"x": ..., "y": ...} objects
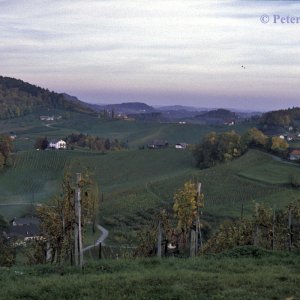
[{"x": 161, "y": 52}]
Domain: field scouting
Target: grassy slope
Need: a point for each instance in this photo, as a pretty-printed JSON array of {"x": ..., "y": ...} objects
[{"x": 270, "y": 277}]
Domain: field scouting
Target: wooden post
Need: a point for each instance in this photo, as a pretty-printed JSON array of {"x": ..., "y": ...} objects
[
  {"x": 78, "y": 193},
  {"x": 242, "y": 212},
  {"x": 192, "y": 243},
  {"x": 78, "y": 234},
  {"x": 198, "y": 223},
  {"x": 273, "y": 229},
  {"x": 290, "y": 230},
  {"x": 159, "y": 238},
  {"x": 76, "y": 256},
  {"x": 100, "y": 251},
  {"x": 256, "y": 233}
]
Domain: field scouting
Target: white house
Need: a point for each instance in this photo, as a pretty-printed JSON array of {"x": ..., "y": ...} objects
[
  {"x": 181, "y": 145},
  {"x": 47, "y": 118},
  {"x": 55, "y": 144}
]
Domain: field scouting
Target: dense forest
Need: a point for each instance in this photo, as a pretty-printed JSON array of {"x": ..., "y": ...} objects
[{"x": 18, "y": 98}]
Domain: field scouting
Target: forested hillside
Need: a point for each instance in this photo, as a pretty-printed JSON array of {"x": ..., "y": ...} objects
[
  {"x": 282, "y": 118},
  {"x": 18, "y": 98}
]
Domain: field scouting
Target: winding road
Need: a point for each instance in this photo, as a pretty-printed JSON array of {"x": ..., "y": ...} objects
[{"x": 101, "y": 239}]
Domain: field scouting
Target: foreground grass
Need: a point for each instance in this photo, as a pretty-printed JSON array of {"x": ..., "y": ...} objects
[{"x": 270, "y": 276}]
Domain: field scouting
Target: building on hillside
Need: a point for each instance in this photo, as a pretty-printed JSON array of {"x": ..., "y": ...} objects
[
  {"x": 47, "y": 118},
  {"x": 181, "y": 146},
  {"x": 158, "y": 144},
  {"x": 57, "y": 144},
  {"x": 295, "y": 154},
  {"x": 25, "y": 229},
  {"x": 229, "y": 122}
]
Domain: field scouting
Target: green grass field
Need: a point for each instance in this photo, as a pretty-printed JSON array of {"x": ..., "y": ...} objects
[{"x": 265, "y": 276}]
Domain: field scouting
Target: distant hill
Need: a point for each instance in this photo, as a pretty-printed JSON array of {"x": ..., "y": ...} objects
[
  {"x": 19, "y": 98},
  {"x": 180, "y": 108},
  {"x": 281, "y": 118},
  {"x": 218, "y": 116},
  {"x": 125, "y": 108}
]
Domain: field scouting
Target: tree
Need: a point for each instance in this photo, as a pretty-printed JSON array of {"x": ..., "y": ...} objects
[
  {"x": 254, "y": 138},
  {"x": 2, "y": 161},
  {"x": 107, "y": 144},
  {"x": 58, "y": 217},
  {"x": 6, "y": 148},
  {"x": 216, "y": 148},
  {"x": 186, "y": 204},
  {"x": 279, "y": 146},
  {"x": 41, "y": 143}
]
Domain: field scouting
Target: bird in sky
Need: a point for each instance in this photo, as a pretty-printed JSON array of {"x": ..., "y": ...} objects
[{"x": 243, "y": 67}]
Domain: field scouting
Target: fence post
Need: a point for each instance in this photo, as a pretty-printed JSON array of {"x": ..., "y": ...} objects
[
  {"x": 100, "y": 251},
  {"x": 290, "y": 230},
  {"x": 159, "y": 237},
  {"x": 192, "y": 243}
]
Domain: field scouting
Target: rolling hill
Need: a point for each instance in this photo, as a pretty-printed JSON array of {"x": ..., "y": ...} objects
[{"x": 19, "y": 98}]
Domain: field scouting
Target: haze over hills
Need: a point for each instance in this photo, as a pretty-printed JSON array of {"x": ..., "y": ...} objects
[
  {"x": 126, "y": 108},
  {"x": 18, "y": 98}
]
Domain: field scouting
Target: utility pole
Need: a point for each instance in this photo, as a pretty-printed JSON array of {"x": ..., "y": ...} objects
[
  {"x": 78, "y": 233},
  {"x": 198, "y": 239}
]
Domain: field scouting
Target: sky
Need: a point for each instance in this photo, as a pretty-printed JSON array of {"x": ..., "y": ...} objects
[{"x": 162, "y": 52}]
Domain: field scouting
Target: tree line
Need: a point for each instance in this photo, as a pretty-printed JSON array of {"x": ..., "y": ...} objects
[
  {"x": 81, "y": 140},
  {"x": 222, "y": 147},
  {"x": 280, "y": 118},
  {"x": 95, "y": 143}
]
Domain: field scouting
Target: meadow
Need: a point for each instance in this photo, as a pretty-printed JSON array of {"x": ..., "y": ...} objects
[{"x": 239, "y": 274}]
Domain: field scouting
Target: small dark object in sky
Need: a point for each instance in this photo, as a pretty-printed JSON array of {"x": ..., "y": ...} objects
[{"x": 243, "y": 67}]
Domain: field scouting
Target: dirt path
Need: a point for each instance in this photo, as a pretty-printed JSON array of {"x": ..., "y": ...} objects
[{"x": 101, "y": 239}]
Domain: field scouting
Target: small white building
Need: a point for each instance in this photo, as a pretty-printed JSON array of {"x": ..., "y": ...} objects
[
  {"x": 47, "y": 118},
  {"x": 181, "y": 146},
  {"x": 58, "y": 144}
]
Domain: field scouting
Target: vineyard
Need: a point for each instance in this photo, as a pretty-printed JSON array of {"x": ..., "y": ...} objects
[{"x": 135, "y": 184}]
